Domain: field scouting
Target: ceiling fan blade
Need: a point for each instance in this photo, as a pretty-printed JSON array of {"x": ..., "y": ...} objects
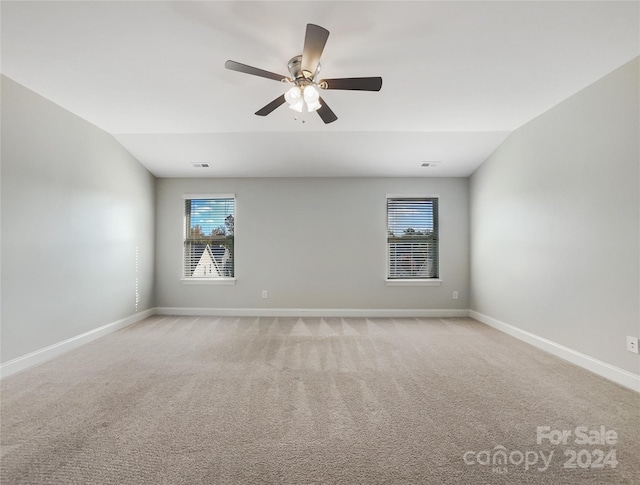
[
  {"x": 325, "y": 113},
  {"x": 354, "y": 83},
  {"x": 271, "y": 106},
  {"x": 314, "y": 42},
  {"x": 236, "y": 66}
]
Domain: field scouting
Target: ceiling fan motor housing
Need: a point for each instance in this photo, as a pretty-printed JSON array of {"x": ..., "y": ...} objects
[{"x": 297, "y": 74}]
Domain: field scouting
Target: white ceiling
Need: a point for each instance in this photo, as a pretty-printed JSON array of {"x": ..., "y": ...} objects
[{"x": 458, "y": 77}]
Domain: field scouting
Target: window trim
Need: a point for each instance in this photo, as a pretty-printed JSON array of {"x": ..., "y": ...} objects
[
  {"x": 413, "y": 282},
  {"x": 218, "y": 280},
  {"x": 409, "y": 281},
  {"x": 221, "y": 280}
]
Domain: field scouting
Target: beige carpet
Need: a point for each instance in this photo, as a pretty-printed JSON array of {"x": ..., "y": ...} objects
[{"x": 187, "y": 400}]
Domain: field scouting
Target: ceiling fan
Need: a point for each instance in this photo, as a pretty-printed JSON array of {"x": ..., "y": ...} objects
[{"x": 304, "y": 71}]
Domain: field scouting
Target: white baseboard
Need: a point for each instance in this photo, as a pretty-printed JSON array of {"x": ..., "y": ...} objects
[
  {"x": 313, "y": 312},
  {"x": 613, "y": 373},
  {"x": 42, "y": 355}
]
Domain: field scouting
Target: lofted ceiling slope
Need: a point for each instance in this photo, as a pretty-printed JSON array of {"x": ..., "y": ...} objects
[{"x": 458, "y": 77}]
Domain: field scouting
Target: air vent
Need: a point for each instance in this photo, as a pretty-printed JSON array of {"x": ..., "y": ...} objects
[
  {"x": 200, "y": 165},
  {"x": 433, "y": 163}
]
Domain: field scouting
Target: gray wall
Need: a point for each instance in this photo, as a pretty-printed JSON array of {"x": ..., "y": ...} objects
[
  {"x": 313, "y": 243},
  {"x": 555, "y": 215},
  {"x": 551, "y": 220},
  {"x": 75, "y": 206}
]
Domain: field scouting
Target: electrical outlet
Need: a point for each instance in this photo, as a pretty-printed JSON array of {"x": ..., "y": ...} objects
[
  {"x": 632, "y": 344},
  {"x": 265, "y": 294},
  {"x": 455, "y": 295}
]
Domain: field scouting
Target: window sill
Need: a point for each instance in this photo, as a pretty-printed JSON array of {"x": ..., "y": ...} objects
[
  {"x": 416, "y": 282},
  {"x": 208, "y": 281}
]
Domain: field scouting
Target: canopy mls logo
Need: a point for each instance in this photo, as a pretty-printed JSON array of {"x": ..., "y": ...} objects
[{"x": 500, "y": 459}]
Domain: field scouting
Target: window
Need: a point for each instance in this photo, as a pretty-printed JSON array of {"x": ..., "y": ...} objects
[
  {"x": 209, "y": 231},
  {"x": 412, "y": 238}
]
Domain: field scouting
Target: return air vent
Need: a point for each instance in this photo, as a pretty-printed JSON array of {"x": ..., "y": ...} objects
[
  {"x": 433, "y": 163},
  {"x": 200, "y": 165}
]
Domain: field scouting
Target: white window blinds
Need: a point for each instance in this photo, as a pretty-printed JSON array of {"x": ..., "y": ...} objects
[
  {"x": 412, "y": 238},
  {"x": 209, "y": 232}
]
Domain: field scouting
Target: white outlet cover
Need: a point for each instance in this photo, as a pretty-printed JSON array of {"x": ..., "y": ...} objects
[{"x": 632, "y": 344}]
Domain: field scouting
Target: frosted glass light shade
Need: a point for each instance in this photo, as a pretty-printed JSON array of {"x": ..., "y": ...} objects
[
  {"x": 313, "y": 106},
  {"x": 311, "y": 97},
  {"x": 294, "y": 97},
  {"x": 297, "y": 106}
]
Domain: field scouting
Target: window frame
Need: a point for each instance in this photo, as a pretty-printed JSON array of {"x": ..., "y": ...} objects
[
  {"x": 214, "y": 280},
  {"x": 436, "y": 281}
]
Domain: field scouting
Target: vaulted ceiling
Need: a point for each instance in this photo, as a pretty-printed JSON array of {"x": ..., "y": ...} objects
[{"x": 458, "y": 77}]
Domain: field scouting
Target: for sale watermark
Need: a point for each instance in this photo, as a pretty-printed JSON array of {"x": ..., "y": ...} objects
[{"x": 578, "y": 448}]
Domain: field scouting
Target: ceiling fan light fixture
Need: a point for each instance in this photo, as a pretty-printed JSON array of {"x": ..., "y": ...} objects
[
  {"x": 312, "y": 97},
  {"x": 314, "y": 106},
  {"x": 294, "y": 97},
  {"x": 297, "y": 106}
]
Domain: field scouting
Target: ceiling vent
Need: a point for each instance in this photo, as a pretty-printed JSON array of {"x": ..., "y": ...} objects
[
  {"x": 200, "y": 165},
  {"x": 430, "y": 164}
]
